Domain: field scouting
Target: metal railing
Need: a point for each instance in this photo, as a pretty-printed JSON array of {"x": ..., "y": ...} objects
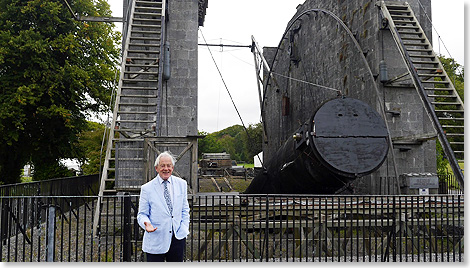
[
  {"x": 71, "y": 186},
  {"x": 448, "y": 184},
  {"x": 239, "y": 228},
  {"x": 89, "y": 185}
]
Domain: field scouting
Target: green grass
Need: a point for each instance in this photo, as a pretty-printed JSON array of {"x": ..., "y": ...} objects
[
  {"x": 26, "y": 179},
  {"x": 247, "y": 165},
  {"x": 462, "y": 166}
]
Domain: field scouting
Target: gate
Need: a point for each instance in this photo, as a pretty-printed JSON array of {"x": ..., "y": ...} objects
[{"x": 180, "y": 146}]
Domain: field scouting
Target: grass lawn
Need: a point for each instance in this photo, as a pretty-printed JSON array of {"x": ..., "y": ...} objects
[
  {"x": 462, "y": 166},
  {"x": 247, "y": 165}
]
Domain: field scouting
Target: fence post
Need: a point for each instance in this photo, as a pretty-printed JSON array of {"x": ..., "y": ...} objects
[
  {"x": 127, "y": 246},
  {"x": 50, "y": 247},
  {"x": 4, "y": 218}
]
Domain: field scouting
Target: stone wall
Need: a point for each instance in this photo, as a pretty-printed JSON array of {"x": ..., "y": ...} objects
[
  {"x": 317, "y": 49},
  {"x": 179, "y": 92},
  {"x": 179, "y": 100}
]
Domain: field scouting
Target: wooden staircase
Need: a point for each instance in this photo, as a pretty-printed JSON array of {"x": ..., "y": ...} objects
[
  {"x": 440, "y": 99},
  {"x": 137, "y": 106}
]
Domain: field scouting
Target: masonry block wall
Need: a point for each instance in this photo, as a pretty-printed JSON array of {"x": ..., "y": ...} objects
[
  {"x": 179, "y": 93},
  {"x": 318, "y": 50},
  {"x": 179, "y": 99}
]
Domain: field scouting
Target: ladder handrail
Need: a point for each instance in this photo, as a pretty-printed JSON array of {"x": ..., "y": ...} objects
[
  {"x": 127, "y": 35},
  {"x": 109, "y": 146},
  {"x": 424, "y": 98}
]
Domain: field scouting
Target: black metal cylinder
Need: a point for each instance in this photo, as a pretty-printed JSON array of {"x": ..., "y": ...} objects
[{"x": 344, "y": 139}]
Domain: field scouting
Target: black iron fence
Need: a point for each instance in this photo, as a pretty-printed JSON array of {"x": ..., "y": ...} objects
[
  {"x": 71, "y": 186},
  {"x": 237, "y": 227},
  {"x": 447, "y": 184},
  {"x": 89, "y": 185}
]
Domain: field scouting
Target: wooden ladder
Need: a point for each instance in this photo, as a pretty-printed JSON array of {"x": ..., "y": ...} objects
[
  {"x": 440, "y": 99},
  {"x": 137, "y": 106}
]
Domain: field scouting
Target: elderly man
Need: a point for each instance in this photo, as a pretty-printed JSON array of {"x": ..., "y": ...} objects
[{"x": 164, "y": 213}]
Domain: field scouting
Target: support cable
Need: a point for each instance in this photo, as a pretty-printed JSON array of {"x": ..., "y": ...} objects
[
  {"x": 223, "y": 81},
  {"x": 91, "y": 18},
  {"x": 439, "y": 39},
  {"x": 432, "y": 25},
  {"x": 308, "y": 83},
  {"x": 230, "y": 95}
]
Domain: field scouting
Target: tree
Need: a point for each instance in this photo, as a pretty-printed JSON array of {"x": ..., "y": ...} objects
[
  {"x": 455, "y": 72},
  {"x": 91, "y": 156},
  {"x": 54, "y": 72},
  {"x": 208, "y": 144},
  {"x": 240, "y": 144},
  {"x": 253, "y": 140}
]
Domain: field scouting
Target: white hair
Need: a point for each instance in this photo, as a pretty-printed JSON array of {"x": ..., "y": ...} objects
[{"x": 165, "y": 154}]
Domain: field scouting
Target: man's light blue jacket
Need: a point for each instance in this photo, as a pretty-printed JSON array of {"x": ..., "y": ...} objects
[{"x": 153, "y": 209}]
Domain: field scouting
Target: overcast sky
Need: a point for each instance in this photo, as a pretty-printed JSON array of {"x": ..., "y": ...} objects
[{"x": 234, "y": 22}]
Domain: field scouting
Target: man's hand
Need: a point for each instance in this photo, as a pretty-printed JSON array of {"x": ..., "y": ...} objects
[{"x": 149, "y": 228}]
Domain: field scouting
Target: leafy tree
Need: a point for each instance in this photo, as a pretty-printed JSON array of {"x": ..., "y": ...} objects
[
  {"x": 227, "y": 142},
  {"x": 455, "y": 72},
  {"x": 91, "y": 157},
  {"x": 208, "y": 144},
  {"x": 54, "y": 72},
  {"x": 253, "y": 141},
  {"x": 233, "y": 140}
]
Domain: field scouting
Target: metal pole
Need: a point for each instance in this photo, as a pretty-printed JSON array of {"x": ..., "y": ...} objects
[
  {"x": 50, "y": 244},
  {"x": 4, "y": 218},
  {"x": 127, "y": 247}
]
